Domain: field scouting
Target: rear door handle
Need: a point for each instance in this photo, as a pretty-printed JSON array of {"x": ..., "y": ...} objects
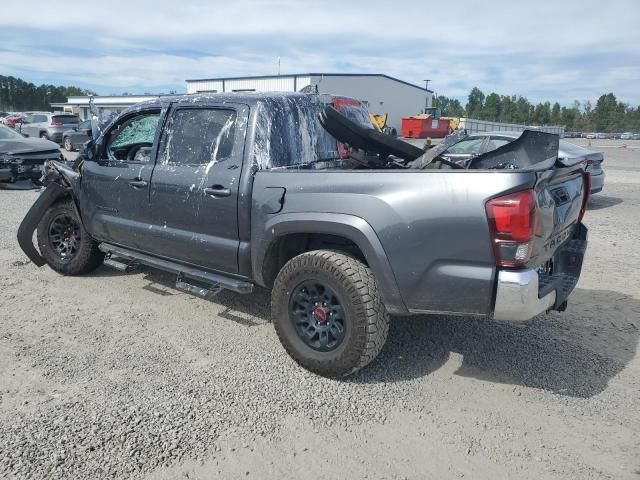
[
  {"x": 137, "y": 183},
  {"x": 217, "y": 191}
]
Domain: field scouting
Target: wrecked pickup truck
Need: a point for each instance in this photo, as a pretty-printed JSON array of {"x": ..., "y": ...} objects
[{"x": 299, "y": 194}]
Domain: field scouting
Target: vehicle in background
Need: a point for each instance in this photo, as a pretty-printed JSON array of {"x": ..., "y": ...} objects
[
  {"x": 626, "y": 136},
  {"x": 239, "y": 191},
  {"x": 12, "y": 120},
  {"x": 4, "y": 114},
  {"x": 635, "y": 136},
  {"x": 50, "y": 126},
  {"x": 480, "y": 143},
  {"x": 590, "y": 136},
  {"x": 76, "y": 136},
  {"x": 23, "y": 158},
  {"x": 572, "y": 135},
  {"x": 602, "y": 136}
]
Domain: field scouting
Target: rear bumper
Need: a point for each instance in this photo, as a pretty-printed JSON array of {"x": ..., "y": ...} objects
[{"x": 523, "y": 294}]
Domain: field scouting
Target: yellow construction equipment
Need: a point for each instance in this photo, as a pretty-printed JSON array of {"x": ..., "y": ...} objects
[{"x": 379, "y": 120}]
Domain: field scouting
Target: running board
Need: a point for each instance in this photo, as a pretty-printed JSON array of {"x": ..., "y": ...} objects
[
  {"x": 118, "y": 265},
  {"x": 214, "y": 279},
  {"x": 204, "y": 292}
]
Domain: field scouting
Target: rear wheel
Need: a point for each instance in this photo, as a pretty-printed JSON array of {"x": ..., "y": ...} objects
[
  {"x": 64, "y": 243},
  {"x": 44, "y": 135},
  {"x": 328, "y": 314}
]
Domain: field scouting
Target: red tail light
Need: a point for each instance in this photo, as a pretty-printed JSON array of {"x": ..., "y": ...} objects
[
  {"x": 512, "y": 220},
  {"x": 587, "y": 195},
  {"x": 56, "y": 124}
]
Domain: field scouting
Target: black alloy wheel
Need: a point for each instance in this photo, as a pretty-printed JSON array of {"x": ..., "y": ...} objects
[
  {"x": 64, "y": 236},
  {"x": 317, "y": 315}
]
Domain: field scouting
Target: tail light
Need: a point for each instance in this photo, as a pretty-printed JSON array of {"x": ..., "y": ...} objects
[
  {"x": 56, "y": 124},
  {"x": 587, "y": 195},
  {"x": 512, "y": 221}
]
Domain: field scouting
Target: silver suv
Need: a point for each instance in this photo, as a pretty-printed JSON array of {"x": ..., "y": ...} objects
[{"x": 48, "y": 125}]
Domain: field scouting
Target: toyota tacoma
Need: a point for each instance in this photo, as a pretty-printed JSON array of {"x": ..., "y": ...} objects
[{"x": 298, "y": 193}]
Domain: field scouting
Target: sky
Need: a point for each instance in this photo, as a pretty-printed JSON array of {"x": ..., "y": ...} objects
[{"x": 559, "y": 50}]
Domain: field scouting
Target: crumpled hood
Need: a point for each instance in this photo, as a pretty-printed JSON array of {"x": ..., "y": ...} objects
[{"x": 26, "y": 145}]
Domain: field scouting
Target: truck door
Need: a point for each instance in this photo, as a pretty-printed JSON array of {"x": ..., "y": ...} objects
[
  {"x": 115, "y": 187},
  {"x": 194, "y": 190}
]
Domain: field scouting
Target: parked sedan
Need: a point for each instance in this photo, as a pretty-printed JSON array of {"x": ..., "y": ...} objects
[
  {"x": 484, "y": 142},
  {"x": 23, "y": 158},
  {"x": 75, "y": 137},
  {"x": 12, "y": 120}
]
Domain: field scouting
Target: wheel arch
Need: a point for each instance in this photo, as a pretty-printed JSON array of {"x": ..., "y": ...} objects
[{"x": 291, "y": 234}]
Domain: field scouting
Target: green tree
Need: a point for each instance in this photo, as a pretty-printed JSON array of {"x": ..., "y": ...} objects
[
  {"x": 450, "y": 107},
  {"x": 555, "y": 114},
  {"x": 492, "y": 108},
  {"x": 475, "y": 103},
  {"x": 16, "y": 94}
]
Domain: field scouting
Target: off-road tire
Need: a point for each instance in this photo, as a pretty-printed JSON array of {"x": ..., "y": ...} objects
[
  {"x": 87, "y": 258},
  {"x": 366, "y": 318}
]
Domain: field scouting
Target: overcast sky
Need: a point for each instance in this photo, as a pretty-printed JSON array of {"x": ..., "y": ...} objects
[{"x": 546, "y": 50}]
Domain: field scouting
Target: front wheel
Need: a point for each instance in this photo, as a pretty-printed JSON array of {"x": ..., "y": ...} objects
[
  {"x": 64, "y": 243},
  {"x": 67, "y": 145},
  {"x": 328, "y": 313}
]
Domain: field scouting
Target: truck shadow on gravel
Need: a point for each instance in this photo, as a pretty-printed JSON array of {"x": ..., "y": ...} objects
[
  {"x": 599, "y": 202},
  {"x": 575, "y": 353}
]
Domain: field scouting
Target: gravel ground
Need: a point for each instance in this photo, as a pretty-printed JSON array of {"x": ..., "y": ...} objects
[{"x": 117, "y": 375}]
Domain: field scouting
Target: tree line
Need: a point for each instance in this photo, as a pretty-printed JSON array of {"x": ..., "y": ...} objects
[
  {"x": 608, "y": 114},
  {"x": 18, "y": 95}
]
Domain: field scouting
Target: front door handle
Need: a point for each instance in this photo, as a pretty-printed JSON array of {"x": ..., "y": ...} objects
[
  {"x": 217, "y": 191},
  {"x": 137, "y": 183}
]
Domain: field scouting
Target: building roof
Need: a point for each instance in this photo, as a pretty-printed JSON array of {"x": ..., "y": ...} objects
[{"x": 291, "y": 75}]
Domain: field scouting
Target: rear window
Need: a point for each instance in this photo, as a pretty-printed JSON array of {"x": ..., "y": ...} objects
[
  {"x": 289, "y": 133},
  {"x": 65, "y": 119}
]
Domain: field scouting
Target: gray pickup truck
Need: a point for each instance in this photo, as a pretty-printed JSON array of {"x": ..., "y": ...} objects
[{"x": 298, "y": 194}]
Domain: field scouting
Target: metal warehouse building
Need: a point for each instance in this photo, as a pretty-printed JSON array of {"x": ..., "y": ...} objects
[{"x": 381, "y": 93}]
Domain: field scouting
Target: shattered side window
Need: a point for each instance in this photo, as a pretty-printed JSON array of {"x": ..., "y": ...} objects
[
  {"x": 289, "y": 133},
  {"x": 138, "y": 130},
  {"x": 132, "y": 140},
  {"x": 199, "y": 136}
]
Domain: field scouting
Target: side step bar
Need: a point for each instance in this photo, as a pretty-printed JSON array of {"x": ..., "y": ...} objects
[{"x": 214, "y": 279}]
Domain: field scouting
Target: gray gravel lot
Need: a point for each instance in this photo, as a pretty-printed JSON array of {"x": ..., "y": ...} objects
[{"x": 116, "y": 375}]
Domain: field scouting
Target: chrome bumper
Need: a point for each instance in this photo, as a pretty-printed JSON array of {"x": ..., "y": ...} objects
[{"x": 517, "y": 296}]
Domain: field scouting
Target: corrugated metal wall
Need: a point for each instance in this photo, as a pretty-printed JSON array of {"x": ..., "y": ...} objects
[
  {"x": 204, "y": 86},
  {"x": 284, "y": 83},
  {"x": 472, "y": 125}
]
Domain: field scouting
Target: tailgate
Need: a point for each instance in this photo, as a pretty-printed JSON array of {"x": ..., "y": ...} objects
[{"x": 560, "y": 195}]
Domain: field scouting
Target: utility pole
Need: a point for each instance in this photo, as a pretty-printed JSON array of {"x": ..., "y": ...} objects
[
  {"x": 426, "y": 98},
  {"x": 278, "y": 65}
]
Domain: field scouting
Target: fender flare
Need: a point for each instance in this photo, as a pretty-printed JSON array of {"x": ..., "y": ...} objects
[
  {"x": 351, "y": 227},
  {"x": 29, "y": 223}
]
